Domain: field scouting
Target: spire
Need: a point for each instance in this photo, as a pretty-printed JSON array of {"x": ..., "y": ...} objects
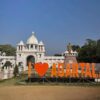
[
  {"x": 21, "y": 43},
  {"x": 41, "y": 43},
  {"x": 33, "y": 32},
  {"x": 69, "y": 47},
  {"x": 32, "y": 39}
]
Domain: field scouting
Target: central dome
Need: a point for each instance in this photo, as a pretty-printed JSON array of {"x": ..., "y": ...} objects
[{"x": 32, "y": 39}]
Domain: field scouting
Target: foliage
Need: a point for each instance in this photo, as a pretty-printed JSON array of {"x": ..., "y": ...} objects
[
  {"x": 57, "y": 54},
  {"x": 8, "y": 49},
  {"x": 90, "y": 51},
  {"x": 76, "y": 48},
  {"x": 16, "y": 71}
]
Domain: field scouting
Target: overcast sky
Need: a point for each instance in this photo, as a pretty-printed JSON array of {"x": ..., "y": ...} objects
[{"x": 56, "y": 22}]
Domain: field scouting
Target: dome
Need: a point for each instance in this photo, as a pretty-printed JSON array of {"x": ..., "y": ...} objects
[
  {"x": 21, "y": 43},
  {"x": 32, "y": 39},
  {"x": 66, "y": 51},
  {"x": 41, "y": 43}
]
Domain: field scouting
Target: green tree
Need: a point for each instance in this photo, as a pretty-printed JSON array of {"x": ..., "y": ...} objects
[
  {"x": 90, "y": 51},
  {"x": 57, "y": 54},
  {"x": 8, "y": 49},
  {"x": 98, "y": 51},
  {"x": 76, "y": 48},
  {"x": 98, "y": 48},
  {"x": 16, "y": 71}
]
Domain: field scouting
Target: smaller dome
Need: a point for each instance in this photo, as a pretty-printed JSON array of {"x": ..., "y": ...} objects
[
  {"x": 21, "y": 43},
  {"x": 66, "y": 52},
  {"x": 32, "y": 39},
  {"x": 41, "y": 43}
]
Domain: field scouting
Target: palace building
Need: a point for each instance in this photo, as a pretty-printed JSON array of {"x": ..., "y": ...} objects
[{"x": 34, "y": 51}]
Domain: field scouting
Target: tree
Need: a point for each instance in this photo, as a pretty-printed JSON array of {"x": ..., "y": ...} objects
[
  {"x": 90, "y": 51},
  {"x": 75, "y": 47},
  {"x": 16, "y": 71},
  {"x": 98, "y": 48},
  {"x": 8, "y": 49},
  {"x": 98, "y": 51},
  {"x": 57, "y": 54}
]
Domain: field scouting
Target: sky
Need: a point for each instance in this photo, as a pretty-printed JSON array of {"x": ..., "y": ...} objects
[{"x": 55, "y": 22}]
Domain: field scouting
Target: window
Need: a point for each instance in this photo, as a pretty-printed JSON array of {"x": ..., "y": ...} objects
[
  {"x": 19, "y": 47},
  {"x": 31, "y": 45},
  {"x": 40, "y": 55},
  {"x": 35, "y": 46},
  {"x": 20, "y": 63},
  {"x": 20, "y": 55}
]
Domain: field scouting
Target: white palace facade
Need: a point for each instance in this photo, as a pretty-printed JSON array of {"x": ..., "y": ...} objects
[{"x": 34, "y": 51}]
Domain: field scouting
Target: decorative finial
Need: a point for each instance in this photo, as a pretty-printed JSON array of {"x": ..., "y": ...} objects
[
  {"x": 33, "y": 33},
  {"x": 69, "y": 47}
]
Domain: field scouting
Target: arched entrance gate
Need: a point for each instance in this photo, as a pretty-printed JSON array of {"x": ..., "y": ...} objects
[{"x": 31, "y": 59}]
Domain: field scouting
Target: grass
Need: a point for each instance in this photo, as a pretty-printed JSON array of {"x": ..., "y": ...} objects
[
  {"x": 8, "y": 82},
  {"x": 13, "y": 81},
  {"x": 17, "y": 81},
  {"x": 20, "y": 80}
]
